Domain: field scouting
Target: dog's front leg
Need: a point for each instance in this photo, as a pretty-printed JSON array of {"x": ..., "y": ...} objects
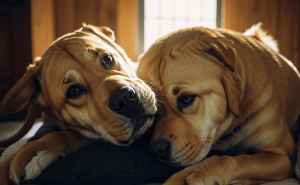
[
  {"x": 242, "y": 169},
  {"x": 35, "y": 156}
]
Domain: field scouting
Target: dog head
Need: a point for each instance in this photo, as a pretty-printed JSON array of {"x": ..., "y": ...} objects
[
  {"x": 84, "y": 81},
  {"x": 198, "y": 92}
]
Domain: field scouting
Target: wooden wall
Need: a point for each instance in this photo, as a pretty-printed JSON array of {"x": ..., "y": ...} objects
[
  {"x": 54, "y": 18},
  {"x": 15, "y": 47},
  {"x": 70, "y": 14},
  {"x": 280, "y": 17},
  {"x": 15, "y": 44},
  {"x": 127, "y": 27},
  {"x": 42, "y": 25}
]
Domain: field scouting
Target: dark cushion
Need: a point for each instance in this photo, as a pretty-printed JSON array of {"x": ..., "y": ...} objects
[{"x": 104, "y": 163}]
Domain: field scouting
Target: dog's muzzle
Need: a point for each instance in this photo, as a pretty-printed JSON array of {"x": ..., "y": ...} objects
[
  {"x": 160, "y": 149},
  {"x": 127, "y": 102}
]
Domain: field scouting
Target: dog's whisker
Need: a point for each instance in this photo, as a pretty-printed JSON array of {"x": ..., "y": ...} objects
[
  {"x": 159, "y": 106},
  {"x": 199, "y": 141},
  {"x": 105, "y": 133},
  {"x": 159, "y": 109},
  {"x": 218, "y": 143},
  {"x": 157, "y": 88},
  {"x": 153, "y": 83}
]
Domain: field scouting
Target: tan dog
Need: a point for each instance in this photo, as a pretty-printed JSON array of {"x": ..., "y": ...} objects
[
  {"x": 84, "y": 82},
  {"x": 227, "y": 91}
]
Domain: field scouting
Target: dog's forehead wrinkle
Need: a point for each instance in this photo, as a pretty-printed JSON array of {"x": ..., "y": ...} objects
[
  {"x": 197, "y": 87},
  {"x": 86, "y": 48},
  {"x": 70, "y": 53},
  {"x": 201, "y": 66}
]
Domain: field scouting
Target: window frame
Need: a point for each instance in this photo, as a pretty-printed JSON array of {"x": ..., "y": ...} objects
[{"x": 141, "y": 22}]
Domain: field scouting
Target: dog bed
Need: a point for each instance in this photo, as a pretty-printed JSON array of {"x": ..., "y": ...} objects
[{"x": 104, "y": 163}]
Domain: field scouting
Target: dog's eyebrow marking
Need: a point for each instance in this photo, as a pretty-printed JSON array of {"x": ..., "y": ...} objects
[
  {"x": 71, "y": 76},
  {"x": 89, "y": 54},
  {"x": 175, "y": 90}
]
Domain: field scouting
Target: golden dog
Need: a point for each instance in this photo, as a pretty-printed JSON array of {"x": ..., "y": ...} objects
[
  {"x": 227, "y": 91},
  {"x": 85, "y": 83}
]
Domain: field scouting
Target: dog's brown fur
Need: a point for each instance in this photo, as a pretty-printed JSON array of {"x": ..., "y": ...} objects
[
  {"x": 88, "y": 111},
  {"x": 211, "y": 82}
]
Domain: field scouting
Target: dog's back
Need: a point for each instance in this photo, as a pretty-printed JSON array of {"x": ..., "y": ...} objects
[{"x": 291, "y": 71}]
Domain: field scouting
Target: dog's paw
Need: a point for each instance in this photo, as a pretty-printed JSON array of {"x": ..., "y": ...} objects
[
  {"x": 187, "y": 177},
  {"x": 4, "y": 170},
  {"x": 38, "y": 163},
  {"x": 204, "y": 173},
  {"x": 180, "y": 178},
  {"x": 27, "y": 163},
  {"x": 197, "y": 178}
]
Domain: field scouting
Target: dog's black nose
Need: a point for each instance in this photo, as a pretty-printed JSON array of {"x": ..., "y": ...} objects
[
  {"x": 123, "y": 100},
  {"x": 160, "y": 149}
]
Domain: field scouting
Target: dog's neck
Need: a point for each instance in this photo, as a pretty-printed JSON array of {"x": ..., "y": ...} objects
[{"x": 230, "y": 133}]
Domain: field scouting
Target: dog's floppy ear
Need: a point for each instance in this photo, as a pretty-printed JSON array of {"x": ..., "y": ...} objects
[
  {"x": 230, "y": 81},
  {"x": 20, "y": 96},
  {"x": 232, "y": 86},
  {"x": 225, "y": 54},
  {"x": 98, "y": 30},
  {"x": 107, "y": 31}
]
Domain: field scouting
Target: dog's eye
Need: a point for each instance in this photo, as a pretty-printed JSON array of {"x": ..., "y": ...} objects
[
  {"x": 74, "y": 91},
  {"x": 185, "y": 101},
  {"x": 108, "y": 60}
]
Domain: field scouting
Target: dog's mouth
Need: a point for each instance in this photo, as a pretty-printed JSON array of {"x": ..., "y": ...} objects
[
  {"x": 142, "y": 121},
  {"x": 180, "y": 160},
  {"x": 137, "y": 127},
  {"x": 183, "y": 155}
]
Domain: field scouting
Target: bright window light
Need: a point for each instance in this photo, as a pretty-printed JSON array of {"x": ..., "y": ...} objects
[{"x": 165, "y": 16}]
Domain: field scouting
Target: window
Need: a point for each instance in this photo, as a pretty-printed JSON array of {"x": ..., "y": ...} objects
[{"x": 161, "y": 17}]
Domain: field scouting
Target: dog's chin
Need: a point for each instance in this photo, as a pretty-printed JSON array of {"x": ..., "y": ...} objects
[
  {"x": 177, "y": 161},
  {"x": 143, "y": 124},
  {"x": 173, "y": 163},
  {"x": 137, "y": 128}
]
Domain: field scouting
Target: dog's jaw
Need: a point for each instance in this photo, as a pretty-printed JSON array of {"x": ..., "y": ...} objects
[{"x": 87, "y": 133}]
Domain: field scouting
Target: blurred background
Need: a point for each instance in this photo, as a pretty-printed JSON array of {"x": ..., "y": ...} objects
[{"x": 28, "y": 27}]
